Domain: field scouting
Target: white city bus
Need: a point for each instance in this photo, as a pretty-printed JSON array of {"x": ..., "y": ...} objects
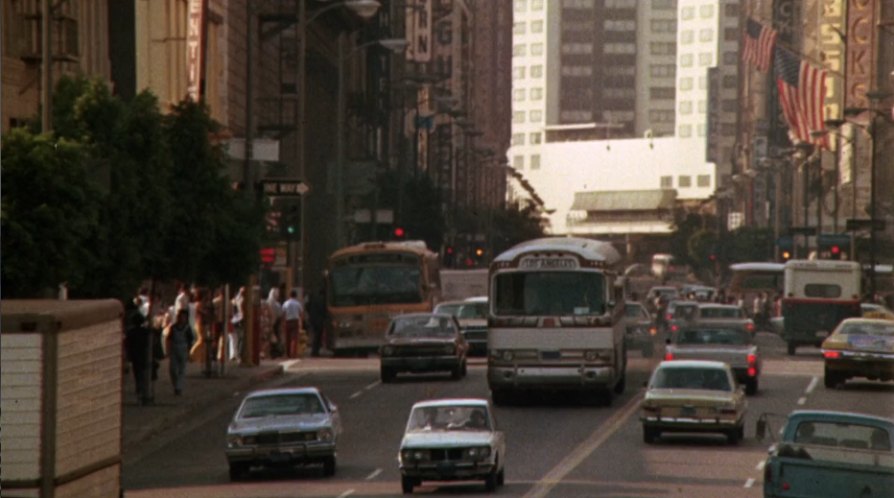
[{"x": 555, "y": 319}]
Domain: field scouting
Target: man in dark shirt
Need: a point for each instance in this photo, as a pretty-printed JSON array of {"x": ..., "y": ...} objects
[{"x": 318, "y": 315}]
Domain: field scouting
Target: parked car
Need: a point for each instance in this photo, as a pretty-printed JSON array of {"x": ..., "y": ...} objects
[
  {"x": 693, "y": 396},
  {"x": 639, "y": 328},
  {"x": 283, "y": 427},
  {"x": 859, "y": 347},
  {"x": 423, "y": 342},
  {"x": 730, "y": 343},
  {"x": 471, "y": 313},
  {"x": 452, "y": 440},
  {"x": 708, "y": 312},
  {"x": 829, "y": 454}
]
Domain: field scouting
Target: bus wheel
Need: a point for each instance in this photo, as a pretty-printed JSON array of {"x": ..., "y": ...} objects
[{"x": 791, "y": 346}]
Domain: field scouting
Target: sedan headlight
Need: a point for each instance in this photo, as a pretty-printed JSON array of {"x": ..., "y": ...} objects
[
  {"x": 414, "y": 455},
  {"x": 234, "y": 440},
  {"x": 325, "y": 434},
  {"x": 387, "y": 350},
  {"x": 478, "y": 453}
]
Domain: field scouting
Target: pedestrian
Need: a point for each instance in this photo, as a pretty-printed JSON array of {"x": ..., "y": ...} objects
[
  {"x": 181, "y": 302},
  {"x": 202, "y": 325},
  {"x": 181, "y": 339},
  {"x": 237, "y": 322},
  {"x": 317, "y": 317},
  {"x": 136, "y": 344},
  {"x": 292, "y": 313},
  {"x": 217, "y": 329},
  {"x": 274, "y": 308}
]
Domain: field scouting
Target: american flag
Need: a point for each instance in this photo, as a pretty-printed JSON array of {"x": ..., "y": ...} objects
[
  {"x": 802, "y": 95},
  {"x": 759, "y": 43}
]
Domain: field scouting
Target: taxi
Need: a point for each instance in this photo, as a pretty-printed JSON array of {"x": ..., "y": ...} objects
[{"x": 859, "y": 347}]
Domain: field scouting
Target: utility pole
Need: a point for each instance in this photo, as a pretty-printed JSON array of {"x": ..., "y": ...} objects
[{"x": 46, "y": 75}]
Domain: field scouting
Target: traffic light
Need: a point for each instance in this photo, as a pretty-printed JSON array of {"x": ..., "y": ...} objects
[
  {"x": 479, "y": 252},
  {"x": 449, "y": 256},
  {"x": 399, "y": 233},
  {"x": 835, "y": 252},
  {"x": 290, "y": 221},
  {"x": 786, "y": 255}
]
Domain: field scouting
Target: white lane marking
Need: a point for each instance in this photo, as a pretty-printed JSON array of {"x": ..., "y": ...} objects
[
  {"x": 374, "y": 384},
  {"x": 552, "y": 478},
  {"x": 760, "y": 465},
  {"x": 373, "y": 475},
  {"x": 358, "y": 393},
  {"x": 810, "y": 387},
  {"x": 749, "y": 482},
  {"x": 346, "y": 493},
  {"x": 802, "y": 400}
]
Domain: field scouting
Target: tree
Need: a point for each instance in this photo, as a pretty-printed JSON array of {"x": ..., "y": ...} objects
[{"x": 514, "y": 224}]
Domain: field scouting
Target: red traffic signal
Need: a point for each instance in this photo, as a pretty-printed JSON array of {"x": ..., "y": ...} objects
[
  {"x": 835, "y": 250},
  {"x": 268, "y": 255},
  {"x": 399, "y": 232}
]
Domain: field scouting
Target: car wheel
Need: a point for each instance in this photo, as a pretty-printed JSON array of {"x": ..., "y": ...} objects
[
  {"x": 492, "y": 479},
  {"x": 751, "y": 386},
  {"x": 238, "y": 470},
  {"x": 407, "y": 484},
  {"x": 831, "y": 379},
  {"x": 733, "y": 436},
  {"x": 650, "y": 434},
  {"x": 329, "y": 466},
  {"x": 791, "y": 348},
  {"x": 501, "y": 477},
  {"x": 387, "y": 374}
]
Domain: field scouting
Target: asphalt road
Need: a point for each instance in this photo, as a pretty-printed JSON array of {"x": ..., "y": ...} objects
[{"x": 557, "y": 447}]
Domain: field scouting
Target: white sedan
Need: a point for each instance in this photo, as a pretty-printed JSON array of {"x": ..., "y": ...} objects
[{"x": 452, "y": 440}]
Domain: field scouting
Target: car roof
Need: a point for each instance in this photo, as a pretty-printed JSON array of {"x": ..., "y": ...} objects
[
  {"x": 476, "y": 299},
  {"x": 878, "y": 321},
  {"x": 451, "y": 402},
  {"x": 692, "y": 364},
  {"x": 283, "y": 390},
  {"x": 834, "y": 414}
]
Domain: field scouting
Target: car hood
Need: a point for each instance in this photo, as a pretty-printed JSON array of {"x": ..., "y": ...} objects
[
  {"x": 734, "y": 355},
  {"x": 307, "y": 422},
  {"x": 700, "y": 397},
  {"x": 447, "y": 439}
]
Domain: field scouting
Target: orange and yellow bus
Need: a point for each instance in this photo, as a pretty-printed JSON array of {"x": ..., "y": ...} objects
[{"x": 369, "y": 283}]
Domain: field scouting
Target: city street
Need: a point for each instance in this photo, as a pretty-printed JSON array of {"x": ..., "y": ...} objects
[{"x": 555, "y": 447}]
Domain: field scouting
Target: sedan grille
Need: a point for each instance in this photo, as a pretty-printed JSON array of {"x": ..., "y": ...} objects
[
  {"x": 274, "y": 438},
  {"x": 442, "y": 454}
]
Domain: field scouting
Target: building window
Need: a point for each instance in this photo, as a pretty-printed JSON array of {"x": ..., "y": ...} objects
[
  {"x": 686, "y": 36},
  {"x": 537, "y": 71},
  {"x": 536, "y": 4},
  {"x": 536, "y": 138},
  {"x": 662, "y": 48},
  {"x": 578, "y": 4},
  {"x": 619, "y": 48},
  {"x": 518, "y": 162},
  {"x": 536, "y": 116},
  {"x": 730, "y": 58},
  {"x": 686, "y": 60},
  {"x": 518, "y": 72},
  {"x": 730, "y": 34},
  {"x": 728, "y": 129},
  {"x": 577, "y": 48},
  {"x": 731, "y": 10},
  {"x": 535, "y": 161},
  {"x": 577, "y": 70},
  {"x": 659, "y": 92},
  {"x": 518, "y": 28},
  {"x": 729, "y": 105},
  {"x": 620, "y": 4},
  {"x": 537, "y": 27},
  {"x": 685, "y": 83},
  {"x": 537, "y": 49},
  {"x": 684, "y": 181},
  {"x": 518, "y": 95},
  {"x": 685, "y": 107},
  {"x": 661, "y": 116},
  {"x": 518, "y": 117},
  {"x": 518, "y": 139},
  {"x": 621, "y": 25},
  {"x": 684, "y": 130},
  {"x": 704, "y": 180},
  {"x": 702, "y": 82},
  {"x": 706, "y": 11},
  {"x": 702, "y": 106},
  {"x": 664, "y": 4},
  {"x": 663, "y": 25},
  {"x": 520, "y": 5},
  {"x": 519, "y": 50},
  {"x": 667, "y": 182},
  {"x": 730, "y": 81},
  {"x": 662, "y": 70},
  {"x": 537, "y": 94},
  {"x": 687, "y": 12},
  {"x": 706, "y": 35},
  {"x": 702, "y": 129},
  {"x": 705, "y": 59}
]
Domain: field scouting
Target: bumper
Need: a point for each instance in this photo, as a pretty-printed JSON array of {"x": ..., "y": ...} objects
[
  {"x": 690, "y": 424},
  {"x": 577, "y": 377},
  {"x": 871, "y": 368},
  {"x": 447, "y": 471},
  {"x": 421, "y": 363},
  {"x": 274, "y": 455}
]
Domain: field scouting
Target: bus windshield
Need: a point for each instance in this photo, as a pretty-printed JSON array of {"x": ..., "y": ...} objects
[
  {"x": 361, "y": 284},
  {"x": 549, "y": 293}
]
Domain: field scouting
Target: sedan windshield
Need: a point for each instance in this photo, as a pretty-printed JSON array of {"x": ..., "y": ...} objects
[
  {"x": 448, "y": 418},
  {"x": 876, "y": 329},
  {"x": 281, "y": 404},
  {"x": 422, "y": 326},
  {"x": 550, "y": 293},
  {"x": 691, "y": 378}
]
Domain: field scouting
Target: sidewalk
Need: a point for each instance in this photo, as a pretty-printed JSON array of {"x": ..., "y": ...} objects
[{"x": 143, "y": 423}]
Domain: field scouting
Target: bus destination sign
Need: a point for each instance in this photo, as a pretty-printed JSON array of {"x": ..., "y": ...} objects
[{"x": 548, "y": 263}]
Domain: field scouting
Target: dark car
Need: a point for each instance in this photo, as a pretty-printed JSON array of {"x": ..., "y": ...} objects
[
  {"x": 471, "y": 314},
  {"x": 423, "y": 342},
  {"x": 639, "y": 328}
]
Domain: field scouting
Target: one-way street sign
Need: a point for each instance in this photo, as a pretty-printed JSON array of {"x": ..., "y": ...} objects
[{"x": 284, "y": 187}]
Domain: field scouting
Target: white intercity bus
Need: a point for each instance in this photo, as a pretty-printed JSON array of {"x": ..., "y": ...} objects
[{"x": 555, "y": 319}]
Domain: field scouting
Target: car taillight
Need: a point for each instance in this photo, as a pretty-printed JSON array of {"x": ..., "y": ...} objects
[
  {"x": 749, "y": 326},
  {"x": 668, "y": 356},
  {"x": 752, "y": 359},
  {"x": 669, "y": 316},
  {"x": 674, "y": 328},
  {"x": 752, "y": 371},
  {"x": 831, "y": 355}
]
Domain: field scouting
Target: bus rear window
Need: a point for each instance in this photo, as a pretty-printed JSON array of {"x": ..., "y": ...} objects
[
  {"x": 822, "y": 290},
  {"x": 549, "y": 293}
]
